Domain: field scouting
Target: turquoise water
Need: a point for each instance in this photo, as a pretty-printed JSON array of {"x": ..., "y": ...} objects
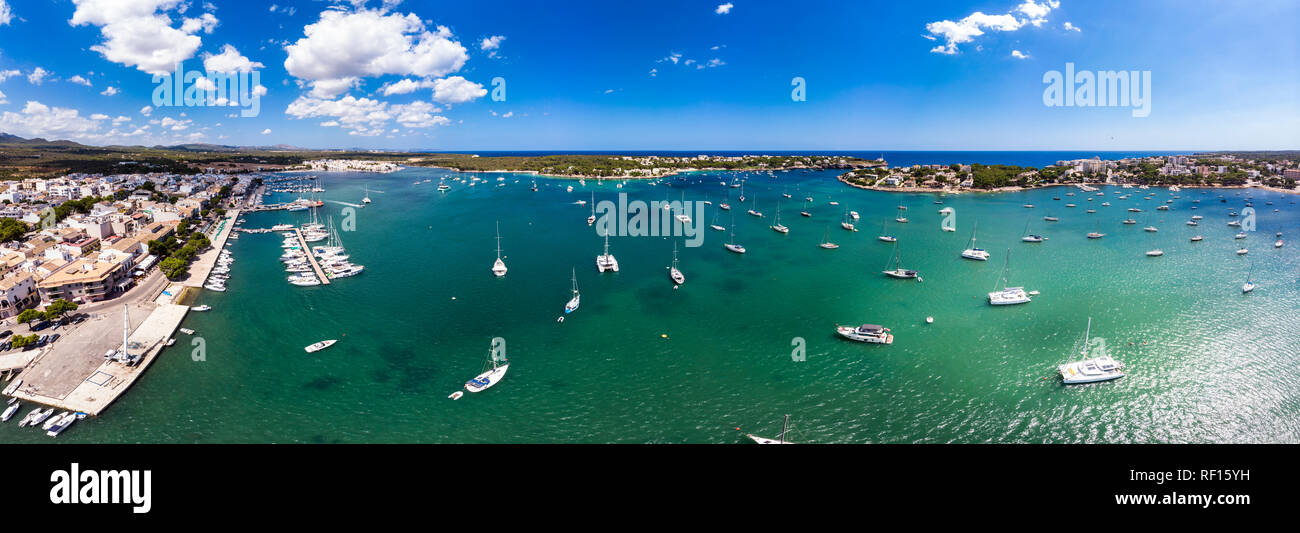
[{"x": 1206, "y": 363}]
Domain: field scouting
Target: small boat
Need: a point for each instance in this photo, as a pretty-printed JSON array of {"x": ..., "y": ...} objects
[
  {"x": 1250, "y": 283},
  {"x": 1241, "y": 235},
  {"x": 591, "y": 219},
  {"x": 898, "y": 272},
  {"x": 1031, "y": 237},
  {"x": 499, "y": 267},
  {"x": 1278, "y": 244},
  {"x": 318, "y": 346},
  {"x": 869, "y": 333},
  {"x": 494, "y": 370},
  {"x": 9, "y": 411},
  {"x": 900, "y": 218},
  {"x": 1008, "y": 295},
  {"x": 826, "y": 241},
  {"x": 1243, "y": 251},
  {"x": 885, "y": 236},
  {"x": 780, "y": 439},
  {"x": 971, "y": 252},
  {"x": 846, "y": 224},
  {"x": 576, "y": 300},
  {"x": 36, "y": 416},
  {"x": 366, "y": 199},
  {"x": 778, "y": 227},
  {"x": 456, "y": 395},
  {"x": 55, "y": 420},
  {"x": 606, "y": 261},
  {"x": 61, "y": 424},
  {"x": 1197, "y": 238},
  {"x": 731, "y": 245},
  {"x": 1101, "y": 368},
  {"x": 1155, "y": 253},
  {"x": 673, "y": 272},
  {"x": 1097, "y": 234},
  {"x": 201, "y": 308},
  {"x": 187, "y": 331},
  {"x": 805, "y": 209},
  {"x": 1151, "y": 229}
]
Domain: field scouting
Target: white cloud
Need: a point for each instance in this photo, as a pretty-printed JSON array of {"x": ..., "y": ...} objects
[
  {"x": 6, "y": 74},
  {"x": 362, "y": 116},
  {"x": 6, "y": 14},
  {"x": 146, "y": 110},
  {"x": 724, "y": 8},
  {"x": 405, "y": 86},
  {"x": 79, "y": 80},
  {"x": 109, "y": 91},
  {"x": 175, "y": 125},
  {"x": 491, "y": 43},
  {"x": 1016, "y": 54},
  {"x": 229, "y": 60},
  {"x": 139, "y": 33},
  {"x": 456, "y": 90},
  {"x": 343, "y": 47},
  {"x": 3, "y": 99},
  {"x": 419, "y": 115},
  {"x": 1071, "y": 27},
  {"x": 99, "y": 116},
  {"x": 40, "y": 120},
  {"x": 37, "y": 76},
  {"x": 973, "y": 25},
  {"x": 266, "y": 131}
]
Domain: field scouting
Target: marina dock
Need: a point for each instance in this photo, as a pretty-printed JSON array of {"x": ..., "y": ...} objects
[
  {"x": 203, "y": 264},
  {"x": 320, "y": 274}
]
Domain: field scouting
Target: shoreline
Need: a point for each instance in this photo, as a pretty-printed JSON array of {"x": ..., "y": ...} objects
[{"x": 947, "y": 190}]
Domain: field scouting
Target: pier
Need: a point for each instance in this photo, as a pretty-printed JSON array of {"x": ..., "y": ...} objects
[{"x": 320, "y": 274}]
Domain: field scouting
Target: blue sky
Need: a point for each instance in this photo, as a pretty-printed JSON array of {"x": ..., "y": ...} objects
[{"x": 683, "y": 75}]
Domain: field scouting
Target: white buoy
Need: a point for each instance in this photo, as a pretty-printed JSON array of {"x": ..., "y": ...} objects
[{"x": 929, "y": 320}]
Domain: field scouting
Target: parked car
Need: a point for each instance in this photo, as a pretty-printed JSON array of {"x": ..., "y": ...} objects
[
  {"x": 55, "y": 337},
  {"x": 6, "y": 333},
  {"x": 6, "y": 346},
  {"x": 44, "y": 339},
  {"x": 41, "y": 325}
]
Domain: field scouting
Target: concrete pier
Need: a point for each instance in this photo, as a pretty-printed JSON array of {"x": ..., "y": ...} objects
[{"x": 320, "y": 274}]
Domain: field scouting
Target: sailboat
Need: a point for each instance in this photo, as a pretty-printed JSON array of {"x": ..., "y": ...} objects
[
  {"x": 1102, "y": 368},
  {"x": 1008, "y": 295},
  {"x": 725, "y": 205},
  {"x": 826, "y": 241},
  {"x": 1097, "y": 234},
  {"x": 898, "y": 272},
  {"x": 715, "y": 225},
  {"x": 742, "y": 192},
  {"x": 780, "y": 439},
  {"x": 1030, "y": 237},
  {"x": 1250, "y": 284},
  {"x": 778, "y": 227},
  {"x": 674, "y": 272},
  {"x": 366, "y": 200},
  {"x": 534, "y": 187},
  {"x": 1155, "y": 252},
  {"x": 573, "y": 302},
  {"x": 493, "y": 371},
  {"x": 805, "y": 209},
  {"x": 846, "y": 224},
  {"x": 754, "y": 210},
  {"x": 885, "y": 236},
  {"x": 732, "y": 244},
  {"x": 900, "y": 218},
  {"x": 1051, "y": 218},
  {"x": 681, "y": 215},
  {"x": 591, "y": 219},
  {"x": 499, "y": 267},
  {"x": 971, "y": 252},
  {"x": 606, "y": 261}
]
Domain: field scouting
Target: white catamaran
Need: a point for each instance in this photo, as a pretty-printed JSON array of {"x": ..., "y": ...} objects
[
  {"x": 1101, "y": 368},
  {"x": 1008, "y": 295},
  {"x": 971, "y": 252}
]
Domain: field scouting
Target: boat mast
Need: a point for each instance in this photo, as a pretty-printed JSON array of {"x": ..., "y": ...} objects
[
  {"x": 785, "y": 423},
  {"x": 498, "y": 240},
  {"x": 1085, "y": 338}
]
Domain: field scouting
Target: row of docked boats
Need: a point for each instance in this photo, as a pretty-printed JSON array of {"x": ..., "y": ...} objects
[
  {"x": 45, "y": 418},
  {"x": 220, "y": 273}
]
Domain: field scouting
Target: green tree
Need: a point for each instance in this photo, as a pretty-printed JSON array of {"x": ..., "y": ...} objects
[
  {"x": 29, "y": 315},
  {"x": 25, "y": 340},
  {"x": 12, "y": 229},
  {"x": 58, "y": 307},
  {"x": 174, "y": 267}
]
